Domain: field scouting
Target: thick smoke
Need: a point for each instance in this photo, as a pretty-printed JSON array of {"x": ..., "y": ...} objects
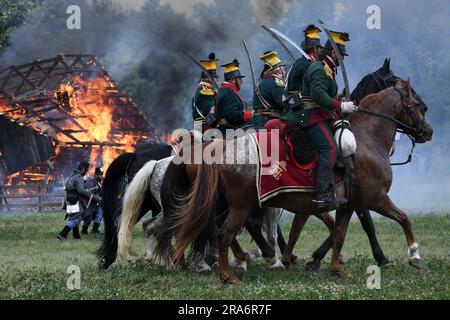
[{"x": 142, "y": 48}]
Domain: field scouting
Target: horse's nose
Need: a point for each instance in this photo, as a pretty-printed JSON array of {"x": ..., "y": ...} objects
[{"x": 428, "y": 130}]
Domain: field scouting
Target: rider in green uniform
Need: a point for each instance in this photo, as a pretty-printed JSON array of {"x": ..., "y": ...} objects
[
  {"x": 205, "y": 94},
  {"x": 311, "y": 45},
  {"x": 319, "y": 106},
  {"x": 268, "y": 97},
  {"x": 229, "y": 104}
]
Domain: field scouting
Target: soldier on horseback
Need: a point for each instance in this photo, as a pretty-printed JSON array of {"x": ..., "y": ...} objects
[
  {"x": 319, "y": 105},
  {"x": 203, "y": 99},
  {"x": 268, "y": 97},
  {"x": 229, "y": 104},
  {"x": 311, "y": 45}
]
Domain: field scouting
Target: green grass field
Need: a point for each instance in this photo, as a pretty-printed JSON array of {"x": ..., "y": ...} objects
[{"x": 33, "y": 265}]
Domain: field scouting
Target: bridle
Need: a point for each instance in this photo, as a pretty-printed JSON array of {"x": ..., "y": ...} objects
[{"x": 412, "y": 132}]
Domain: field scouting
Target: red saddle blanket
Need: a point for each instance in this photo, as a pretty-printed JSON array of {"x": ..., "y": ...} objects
[{"x": 278, "y": 172}]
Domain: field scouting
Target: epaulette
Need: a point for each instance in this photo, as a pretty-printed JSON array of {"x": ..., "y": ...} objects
[
  {"x": 207, "y": 91},
  {"x": 328, "y": 71},
  {"x": 279, "y": 82}
]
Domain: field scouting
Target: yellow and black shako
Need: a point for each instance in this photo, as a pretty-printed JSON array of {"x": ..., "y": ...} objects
[
  {"x": 268, "y": 101},
  {"x": 298, "y": 70}
]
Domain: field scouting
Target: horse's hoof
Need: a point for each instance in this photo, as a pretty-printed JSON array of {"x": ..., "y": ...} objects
[
  {"x": 385, "y": 263},
  {"x": 297, "y": 261},
  {"x": 277, "y": 266},
  {"x": 142, "y": 262},
  {"x": 416, "y": 263},
  {"x": 338, "y": 273},
  {"x": 341, "y": 260},
  {"x": 313, "y": 266},
  {"x": 239, "y": 271},
  {"x": 204, "y": 272},
  {"x": 230, "y": 280}
]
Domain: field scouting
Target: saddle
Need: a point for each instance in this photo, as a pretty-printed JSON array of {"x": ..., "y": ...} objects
[{"x": 295, "y": 143}]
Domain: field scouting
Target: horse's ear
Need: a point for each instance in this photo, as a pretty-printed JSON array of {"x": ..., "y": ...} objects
[
  {"x": 408, "y": 87},
  {"x": 387, "y": 65}
]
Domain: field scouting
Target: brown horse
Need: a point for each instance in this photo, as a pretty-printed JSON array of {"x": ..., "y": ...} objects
[{"x": 375, "y": 125}]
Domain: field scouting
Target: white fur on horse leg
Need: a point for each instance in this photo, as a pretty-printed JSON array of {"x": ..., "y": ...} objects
[
  {"x": 275, "y": 264},
  {"x": 413, "y": 251},
  {"x": 150, "y": 245},
  {"x": 256, "y": 253},
  {"x": 240, "y": 269}
]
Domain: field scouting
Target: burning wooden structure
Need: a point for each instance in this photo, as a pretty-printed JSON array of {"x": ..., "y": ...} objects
[{"x": 56, "y": 112}]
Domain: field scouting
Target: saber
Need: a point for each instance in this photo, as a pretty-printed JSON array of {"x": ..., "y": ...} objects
[
  {"x": 281, "y": 42},
  {"x": 340, "y": 59},
  {"x": 264, "y": 103},
  {"x": 203, "y": 69},
  {"x": 280, "y": 34},
  {"x": 251, "y": 64}
]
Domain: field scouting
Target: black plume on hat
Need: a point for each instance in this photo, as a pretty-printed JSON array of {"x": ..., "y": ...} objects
[
  {"x": 212, "y": 56},
  {"x": 236, "y": 62}
]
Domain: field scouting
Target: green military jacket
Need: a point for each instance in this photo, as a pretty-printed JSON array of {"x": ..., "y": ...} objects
[
  {"x": 229, "y": 107},
  {"x": 320, "y": 88},
  {"x": 203, "y": 99},
  {"x": 272, "y": 90},
  {"x": 295, "y": 77}
]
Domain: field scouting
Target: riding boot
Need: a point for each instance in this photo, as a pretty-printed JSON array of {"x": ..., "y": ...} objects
[
  {"x": 76, "y": 233},
  {"x": 325, "y": 195},
  {"x": 63, "y": 234},
  {"x": 95, "y": 227},
  {"x": 84, "y": 230}
]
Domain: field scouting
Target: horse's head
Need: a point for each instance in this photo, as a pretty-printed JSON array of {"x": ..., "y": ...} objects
[
  {"x": 375, "y": 82},
  {"x": 411, "y": 110}
]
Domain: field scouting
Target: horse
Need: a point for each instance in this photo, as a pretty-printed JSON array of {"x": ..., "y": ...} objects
[
  {"x": 374, "y": 125},
  {"x": 142, "y": 173},
  {"x": 121, "y": 171}
]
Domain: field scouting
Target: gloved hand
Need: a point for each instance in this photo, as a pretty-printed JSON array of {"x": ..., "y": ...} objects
[
  {"x": 348, "y": 107},
  {"x": 97, "y": 198}
]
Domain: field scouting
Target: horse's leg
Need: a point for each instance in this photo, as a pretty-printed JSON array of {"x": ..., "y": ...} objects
[
  {"x": 241, "y": 259},
  {"x": 369, "y": 228},
  {"x": 150, "y": 227},
  {"x": 387, "y": 208},
  {"x": 296, "y": 229},
  {"x": 231, "y": 226},
  {"x": 268, "y": 253},
  {"x": 320, "y": 253},
  {"x": 343, "y": 216},
  {"x": 282, "y": 245}
]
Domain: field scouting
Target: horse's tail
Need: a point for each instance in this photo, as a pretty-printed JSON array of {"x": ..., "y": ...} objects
[
  {"x": 197, "y": 208},
  {"x": 133, "y": 201},
  {"x": 175, "y": 187},
  {"x": 112, "y": 186}
]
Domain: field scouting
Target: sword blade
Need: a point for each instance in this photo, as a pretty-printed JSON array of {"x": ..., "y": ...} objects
[
  {"x": 281, "y": 42},
  {"x": 251, "y": 64},
  {"x": 203, "y": 69},
  {"x": 341, "y": 60},
  {"x": 290, "y": 41}
]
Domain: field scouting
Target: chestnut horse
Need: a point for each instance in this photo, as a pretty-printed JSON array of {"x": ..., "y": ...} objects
[{"x": 375, "y": 126}]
